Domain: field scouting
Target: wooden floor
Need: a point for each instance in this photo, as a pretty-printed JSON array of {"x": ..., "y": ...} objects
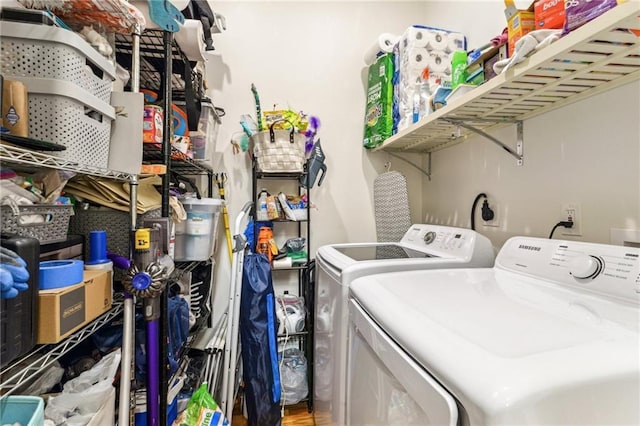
[{"x": 294, "y": 415}]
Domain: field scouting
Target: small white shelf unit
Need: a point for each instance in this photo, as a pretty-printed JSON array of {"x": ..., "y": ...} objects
[{"x": 597, "y": 57}]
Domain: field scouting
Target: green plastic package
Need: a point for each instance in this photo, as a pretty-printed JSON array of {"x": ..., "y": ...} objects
[
  {"x": 202, "y": 410},
  {"x": 378, "y": 120}
]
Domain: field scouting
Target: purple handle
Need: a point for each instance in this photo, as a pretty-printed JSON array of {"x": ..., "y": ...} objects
[{"x": 120, "y": 262}]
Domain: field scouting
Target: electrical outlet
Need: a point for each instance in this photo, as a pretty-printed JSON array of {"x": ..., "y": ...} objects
[
  {"x": 496, "y": 214},
  {"x": 572, "y": 212}
]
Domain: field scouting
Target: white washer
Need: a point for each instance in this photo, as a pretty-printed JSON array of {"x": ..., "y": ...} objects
[
  {"x": 422, "y": 247},
  {"x": 550, "y": 335}
]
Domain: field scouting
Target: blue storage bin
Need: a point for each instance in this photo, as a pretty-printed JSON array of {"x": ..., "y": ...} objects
[{"x": 26, "y": 410}]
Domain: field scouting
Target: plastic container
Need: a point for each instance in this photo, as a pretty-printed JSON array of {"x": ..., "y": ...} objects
[
  {"x": 25, "y": 410},
  {"x": 195, "y": 237},
  {"x": 51, "y": 228},
  {"x": 61, "y": 112},
  {"x": 204, "y": 139},
  {"x": 261, "y": 208},
  {"x": 42, "y": 51}
]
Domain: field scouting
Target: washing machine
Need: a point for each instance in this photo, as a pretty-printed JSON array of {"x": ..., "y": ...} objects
[
  {"x": 548, "y": 336},
  {"x": 422, "y": 247}
]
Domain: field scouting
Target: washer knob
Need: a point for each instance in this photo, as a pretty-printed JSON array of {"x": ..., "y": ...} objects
[
  {"x": 585, "y": 266},
  {"x": 429, "y": 237}
]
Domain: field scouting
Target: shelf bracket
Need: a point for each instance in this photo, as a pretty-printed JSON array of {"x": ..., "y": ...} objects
[
  {"x": 427, "y": 172},
  {"x": 517, "y": 153}
]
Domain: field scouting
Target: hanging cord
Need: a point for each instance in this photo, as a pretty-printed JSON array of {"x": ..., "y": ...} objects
[
  {"x": 564, "y": 224},
  {"x": 281, "y": 363},
  {"x": 473, "y": 209},
  {"x": 487, "y": 213}
]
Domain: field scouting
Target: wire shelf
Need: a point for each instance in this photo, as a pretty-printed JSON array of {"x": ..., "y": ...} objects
[
  {"x": 180, "y": 163},
  {"x": 597, "y": 57},
  {"x": 11, "y": 154},
  {"x": 16, "y": 375}
]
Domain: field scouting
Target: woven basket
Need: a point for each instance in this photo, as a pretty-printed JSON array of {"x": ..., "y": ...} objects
[
  {"x": 51, "y": 226},
  {"x": 279, "y": 151}
]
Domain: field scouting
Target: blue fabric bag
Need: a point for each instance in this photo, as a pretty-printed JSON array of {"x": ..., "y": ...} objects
[{"x": 259, "y": 346}]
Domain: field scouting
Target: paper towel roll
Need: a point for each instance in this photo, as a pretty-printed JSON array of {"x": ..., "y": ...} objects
[
  {"x": 190, "y": 38},
  {"x": 384, "y": 44},
  {"x": 437, "y": 40},
  {"x": 415, "y": 37},
  {"x": 417, "y": 58},
  {"x": 437, "y": 62},
  {"x": 456, "y": 42}
]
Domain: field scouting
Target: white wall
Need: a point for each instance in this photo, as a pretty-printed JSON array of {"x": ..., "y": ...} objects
[
  {"x": 307, "y": 56},
  {"x": 587, "y": 153}
]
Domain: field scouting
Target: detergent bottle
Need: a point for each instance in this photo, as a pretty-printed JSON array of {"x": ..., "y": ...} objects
[{"x": 315, "y": 165}]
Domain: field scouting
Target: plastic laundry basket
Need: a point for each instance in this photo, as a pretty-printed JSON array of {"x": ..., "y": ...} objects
[{"x": 26, "y": 410}]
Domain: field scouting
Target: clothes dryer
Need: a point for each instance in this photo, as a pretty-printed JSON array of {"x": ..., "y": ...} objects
[
  {"x": 422, "y": 247},
  {"x": 550, "y": 335}
]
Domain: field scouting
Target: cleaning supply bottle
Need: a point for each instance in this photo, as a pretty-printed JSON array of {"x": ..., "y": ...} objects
[
  {"x": 425, "y": 94},
  {"x": 458, "y": 68},
  {"x": 261, "y": 211}
]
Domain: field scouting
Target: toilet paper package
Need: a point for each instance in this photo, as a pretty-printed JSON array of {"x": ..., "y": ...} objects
[
  {"x": 378, "y": 122},
  {"x": 384, "y": 44},
  {"x": 422, "y": 61}
]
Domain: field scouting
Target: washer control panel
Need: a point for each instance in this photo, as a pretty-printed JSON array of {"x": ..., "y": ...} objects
[{"x": 598, "y": 268}]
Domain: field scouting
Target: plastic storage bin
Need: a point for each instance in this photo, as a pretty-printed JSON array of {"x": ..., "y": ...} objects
[
  {"x": 50, "y": 229},
  {"x": 203, "y": 141},
  {"x": 195, "y": 237},
  {"x": 69, "y": 89},
  {"x": 42, "y": 51},
  {"x": 25, "y": 410},
  {"x": 62, "y": 113}
]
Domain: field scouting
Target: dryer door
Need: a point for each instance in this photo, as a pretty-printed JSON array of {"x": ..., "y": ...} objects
[{"x": 386, "y": 387}]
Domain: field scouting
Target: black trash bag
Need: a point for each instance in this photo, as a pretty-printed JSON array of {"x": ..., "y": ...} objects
[{"x": 259, "y": 346}]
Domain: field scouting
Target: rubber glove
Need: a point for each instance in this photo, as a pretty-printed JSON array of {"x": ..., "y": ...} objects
[
  {"x": 7, "y": 291},
  {"x": 13, "y": 274}
]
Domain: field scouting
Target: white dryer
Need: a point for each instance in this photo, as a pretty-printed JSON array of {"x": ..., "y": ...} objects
[
  {"x": 549, "y": 336},
  {"x": 422, "y": 247}
]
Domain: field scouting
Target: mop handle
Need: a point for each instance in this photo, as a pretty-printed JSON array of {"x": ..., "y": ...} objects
[{"x": 153, "y": 370}]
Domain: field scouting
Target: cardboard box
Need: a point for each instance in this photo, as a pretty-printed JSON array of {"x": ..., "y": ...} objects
[
  {"x": 549, "y": 14},
  {"x": 481, "y": 69},
  {"x": 153, "y": 169},
  {"x": 519, "y": 23},
  {"x": 64, "y": 310}
]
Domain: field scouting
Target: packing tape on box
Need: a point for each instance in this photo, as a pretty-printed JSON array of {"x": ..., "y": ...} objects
[{"x": 60, "y": 273}]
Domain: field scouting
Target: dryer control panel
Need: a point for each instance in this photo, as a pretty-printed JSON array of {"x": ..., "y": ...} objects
[{"x": 602, "y": 269}]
